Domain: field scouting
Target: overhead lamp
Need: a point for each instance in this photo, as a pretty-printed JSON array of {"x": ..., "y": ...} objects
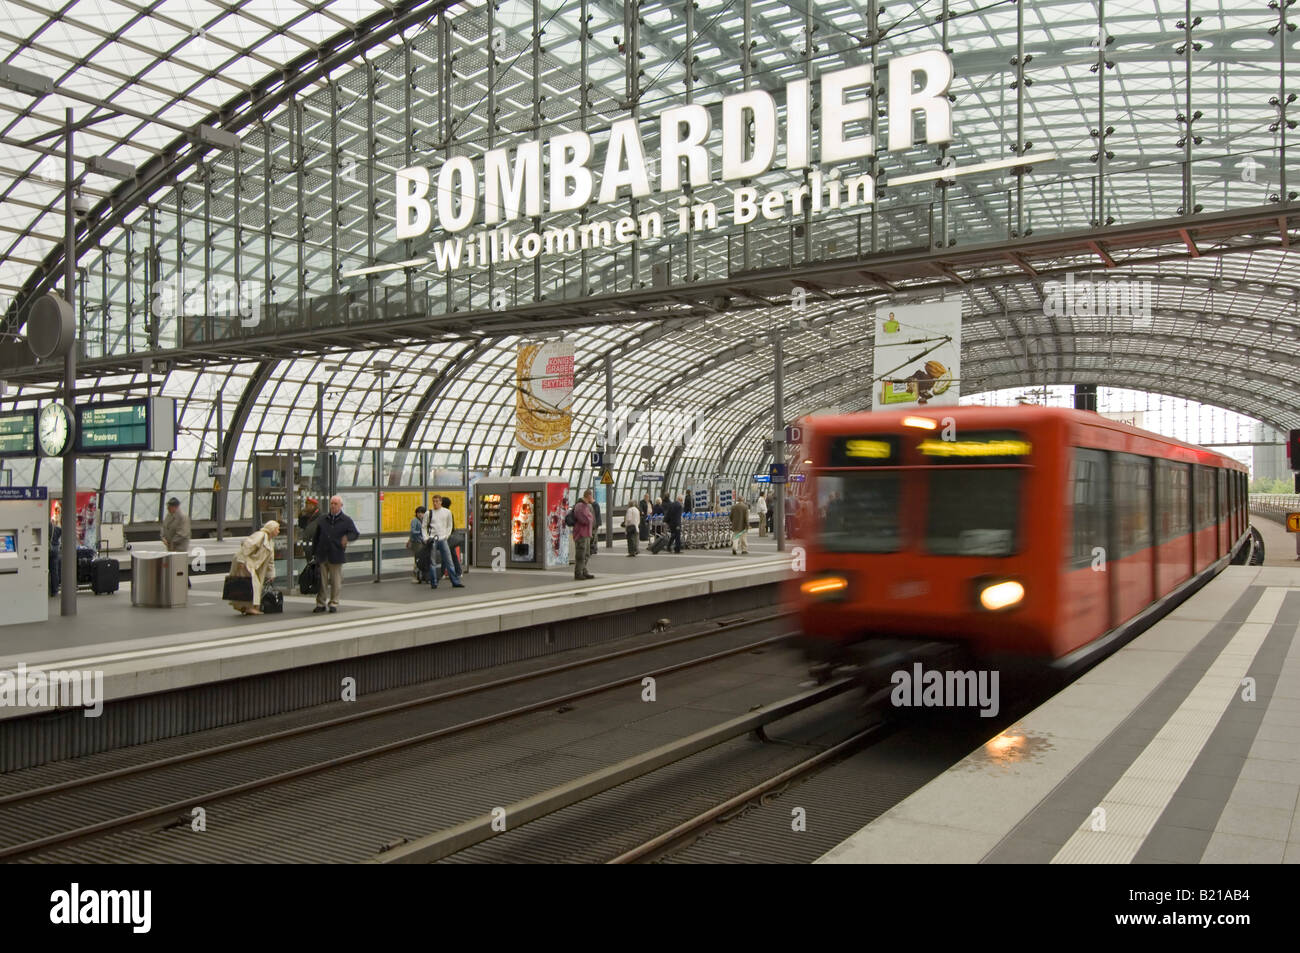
[
  {"x": 102, "y": 165},
  {"x": 217, "y": 138},
  {"x": 25, "y": 81}
]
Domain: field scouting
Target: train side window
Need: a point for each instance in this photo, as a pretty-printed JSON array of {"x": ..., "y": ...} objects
[
  {"x": 1221, "y": 506},
  {"x": 1203, "y": 493},
  {"x": 1131, "y": 487},
  {"x": 1173, "y": 507},
  {"x": 1088, "y": 499}
]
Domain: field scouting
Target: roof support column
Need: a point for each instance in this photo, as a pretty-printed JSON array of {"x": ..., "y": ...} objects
[
  {"x": 778, "y": 436},
  {"x": 611, "y": 448},
  {"x": 68, "y": 512}
]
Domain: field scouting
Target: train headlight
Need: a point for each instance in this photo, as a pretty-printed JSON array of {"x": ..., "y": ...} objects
[
  {"x": 1002, "y": 595},
  {"x": 825, "y": 587}
]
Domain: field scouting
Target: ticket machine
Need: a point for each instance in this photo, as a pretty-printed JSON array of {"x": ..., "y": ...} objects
[{"x": 24, "y": 554}]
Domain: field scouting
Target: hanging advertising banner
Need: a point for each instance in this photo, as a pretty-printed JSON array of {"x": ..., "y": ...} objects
[
  {"x": 917, "y": 355},
  {"x": 543, "y": 395}
]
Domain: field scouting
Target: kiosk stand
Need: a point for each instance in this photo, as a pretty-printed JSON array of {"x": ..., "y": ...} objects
[{"x": 24, "y": 554}]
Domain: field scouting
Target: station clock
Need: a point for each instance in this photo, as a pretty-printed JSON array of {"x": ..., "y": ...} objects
[{"x": 54, "y": 429}]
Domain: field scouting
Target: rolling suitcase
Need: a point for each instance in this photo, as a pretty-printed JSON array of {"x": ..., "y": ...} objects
[
  {"x": 272, "y": 601},
  {"x": 659, "y": 543},
  {"x": 85, "y": 556},
  {"x": 105, "y": 576}
]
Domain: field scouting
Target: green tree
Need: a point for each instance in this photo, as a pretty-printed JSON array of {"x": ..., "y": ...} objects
[{"x": 1274, "y": 487}]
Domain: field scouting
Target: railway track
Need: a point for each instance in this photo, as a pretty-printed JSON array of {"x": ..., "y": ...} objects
[
  {"x": 81, "y": 808},
  {"x": 378, "y": 798},
  {"x": 643, "y": 809}
]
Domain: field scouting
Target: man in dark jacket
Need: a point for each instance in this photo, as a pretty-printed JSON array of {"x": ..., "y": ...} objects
[
  {"x": 56, "y": 556},
  {"x": 329, "y": 542},
  {"x": 673, "y": 520},
  {"x": 307, "y": 521},
  {"x": 646, "y": 508}
]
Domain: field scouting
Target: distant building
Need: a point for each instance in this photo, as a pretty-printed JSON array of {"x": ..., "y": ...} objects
[{"x": 1268, "y": 462}]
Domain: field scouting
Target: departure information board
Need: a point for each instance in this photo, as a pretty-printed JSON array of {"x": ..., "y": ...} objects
[
  {"x": 146, "y": 424},
  {"x": 18, "y": 434}
]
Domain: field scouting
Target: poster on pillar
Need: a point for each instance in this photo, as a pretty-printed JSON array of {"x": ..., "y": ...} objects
[
  {"x": 917, "y": 355},
  {"x": 87, "y": 504},
  {"x": 544, "y": 395},
  {"x": 726, "y": 494}
]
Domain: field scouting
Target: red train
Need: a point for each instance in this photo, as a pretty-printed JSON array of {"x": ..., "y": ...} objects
[{"x": 1031, "y": 532}]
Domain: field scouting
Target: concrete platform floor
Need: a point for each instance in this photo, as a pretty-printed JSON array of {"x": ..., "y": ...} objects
[{"x": 109, "y": 622}]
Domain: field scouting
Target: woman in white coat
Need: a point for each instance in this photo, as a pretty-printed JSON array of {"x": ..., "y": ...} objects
[
  {"x": 256, "y": 560},
  {"x": 760, "y": 508}
]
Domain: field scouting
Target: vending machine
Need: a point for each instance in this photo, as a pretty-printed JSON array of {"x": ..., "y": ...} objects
[{"x": 519, "y": 523}]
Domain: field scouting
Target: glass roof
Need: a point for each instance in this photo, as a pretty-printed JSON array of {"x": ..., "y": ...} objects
[{"x": 292, "y": 211}]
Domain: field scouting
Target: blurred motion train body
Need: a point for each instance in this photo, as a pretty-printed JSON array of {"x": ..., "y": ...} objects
[{"x": 1030, "y": 533}]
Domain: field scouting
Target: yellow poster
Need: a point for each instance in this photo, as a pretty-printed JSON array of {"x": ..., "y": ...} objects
[
  {"x": 458, "y": 504},
  {"x": 396, "y": 509}
]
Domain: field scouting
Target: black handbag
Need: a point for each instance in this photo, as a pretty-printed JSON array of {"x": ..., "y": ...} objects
[
  {"x": 272, "y": 601},
  {"x": 238, "y": 589},
  {"x": 309, "y": 580}
]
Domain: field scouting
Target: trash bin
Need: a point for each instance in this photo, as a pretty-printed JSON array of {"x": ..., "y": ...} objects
[{"x": 159, "y": 580}]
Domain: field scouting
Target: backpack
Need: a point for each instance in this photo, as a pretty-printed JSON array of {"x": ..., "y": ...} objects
[{"x": 571, "y": 518}]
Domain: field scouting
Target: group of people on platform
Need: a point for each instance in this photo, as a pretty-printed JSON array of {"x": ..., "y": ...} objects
[
  {"x": 636, "y": 525},
  {"x": 326, "y": 537},
  {"x": 430, "y": 544}
]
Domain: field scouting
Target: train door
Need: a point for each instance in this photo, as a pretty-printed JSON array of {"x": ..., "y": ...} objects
[
  {"x": 1086, "y": 608},
  {"x": 1132, "y": 565},
  {"x": 1221, "y": 511},
  {"x": 1173, "y": 523}
]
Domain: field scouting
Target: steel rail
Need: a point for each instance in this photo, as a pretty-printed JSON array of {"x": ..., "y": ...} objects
[
  {"x": 444, "y": 843},
  {"x": 655, "y": 844}
]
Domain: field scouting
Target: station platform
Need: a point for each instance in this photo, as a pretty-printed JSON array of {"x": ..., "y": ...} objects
[
  {"x": 1280, "y": 547},
  {"x": 1182, "y": 747},
  {"x": 142, "y": 651}
]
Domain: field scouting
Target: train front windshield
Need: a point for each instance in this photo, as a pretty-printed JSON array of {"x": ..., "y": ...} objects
[
  {"x": 972, "y": 489},
  {"x": 973, "y": 512},
  {"x": 860, "y": 512}
]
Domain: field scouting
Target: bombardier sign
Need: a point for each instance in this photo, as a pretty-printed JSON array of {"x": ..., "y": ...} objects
[{"x": 500, "y": 187}]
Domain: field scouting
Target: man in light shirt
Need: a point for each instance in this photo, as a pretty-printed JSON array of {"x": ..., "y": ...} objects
[
  {"x": 437, "y": 530},
  {"x": 631, "y": 522}
]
